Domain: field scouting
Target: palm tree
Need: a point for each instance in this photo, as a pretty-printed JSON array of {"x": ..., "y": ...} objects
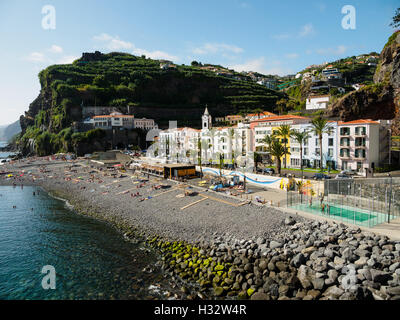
[
  {"x": 319, "y": 127},
  {"x": 213, "y": 133},
  {"x": 267, "y": 140},
  {"x": 199, "y": 156},
  {"x": 231, "y": 134},
  {"x": 257, "y": 159},
  {"x": 284, "y": 132},
  {"x": 258, "y": 112},
  {"x": 300, "y": 137},
  {"x": 277, "y": 151},
  {"x": 281, "y": 106}
]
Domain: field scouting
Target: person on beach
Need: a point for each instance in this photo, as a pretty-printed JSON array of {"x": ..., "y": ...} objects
[
  {"x": 310, "y": 202},
  {"x": 323, "y": 208},
  {"x": 328, "y": 209}
]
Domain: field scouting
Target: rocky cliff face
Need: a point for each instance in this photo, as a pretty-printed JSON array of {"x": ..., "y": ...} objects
[
  {"x": 380, "y": 100},
  {"x": 370, "y": 102}
]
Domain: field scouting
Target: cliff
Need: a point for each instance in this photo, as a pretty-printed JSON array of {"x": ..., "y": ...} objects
[
  {"x": 379, "y": 100},
  {"x": 119, "y": 80}
]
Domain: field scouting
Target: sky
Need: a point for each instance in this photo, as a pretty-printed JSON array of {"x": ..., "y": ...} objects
[{"x": 270, "y": 37}]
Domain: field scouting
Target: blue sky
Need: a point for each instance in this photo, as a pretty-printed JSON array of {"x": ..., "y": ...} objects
[{"x": 271, "y": 37}]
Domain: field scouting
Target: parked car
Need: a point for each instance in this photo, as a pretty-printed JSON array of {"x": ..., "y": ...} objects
[
  {"x": 269, "y": 171},
  {"x": 343, "y": 176},
  {"x": 348, "y": 172},
  {"x": 320, "y": 176}
]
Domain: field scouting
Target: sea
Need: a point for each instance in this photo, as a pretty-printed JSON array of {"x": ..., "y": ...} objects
[
  {"x": 4, "y": 155},
  {"x": 50, "y": 252}
]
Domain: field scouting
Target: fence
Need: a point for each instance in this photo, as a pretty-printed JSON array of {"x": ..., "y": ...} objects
[{"x": 364, "y": 202}]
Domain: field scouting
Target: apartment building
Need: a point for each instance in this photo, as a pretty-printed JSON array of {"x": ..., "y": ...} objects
[
  {"x": 312, "y": 148},
  {"x": 267, "y": 126},
  {"x": 363, "y": 144}
]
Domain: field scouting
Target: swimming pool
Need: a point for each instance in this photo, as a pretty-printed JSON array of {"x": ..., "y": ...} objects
[{"x": 344, "y": 213}]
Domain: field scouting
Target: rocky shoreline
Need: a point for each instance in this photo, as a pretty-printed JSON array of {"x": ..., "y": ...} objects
[{"x": 259, "y": 254}]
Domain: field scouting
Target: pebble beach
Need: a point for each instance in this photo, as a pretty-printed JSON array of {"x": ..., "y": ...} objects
[{"x": 220, "y": 247}]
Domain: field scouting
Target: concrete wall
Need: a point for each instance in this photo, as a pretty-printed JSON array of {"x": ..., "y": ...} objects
[{"x": 258, "y": 179}]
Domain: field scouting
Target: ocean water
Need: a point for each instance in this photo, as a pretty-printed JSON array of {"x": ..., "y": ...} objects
[
  {"x": 91, "y": 259},
  {"x": 4, "y": 155}
]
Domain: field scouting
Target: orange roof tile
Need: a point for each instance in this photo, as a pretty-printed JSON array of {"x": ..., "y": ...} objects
[
  {"x": 114, "y": 116},
  {"x": 277, "y": 118},
  {"x": 265, "y": 113},
  {"x": 359, "y": 121}
]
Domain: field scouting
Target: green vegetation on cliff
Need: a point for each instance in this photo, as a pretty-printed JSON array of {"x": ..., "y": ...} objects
[{"x": 121, "y": 80}]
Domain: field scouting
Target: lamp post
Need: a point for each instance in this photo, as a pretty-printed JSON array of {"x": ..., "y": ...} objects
[{"x": 390, "y": 195}]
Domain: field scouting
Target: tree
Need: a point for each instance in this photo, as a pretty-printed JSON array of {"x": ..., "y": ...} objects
[
  {"x": 396, "y": 19},
  {"x": 221, "y": 164},
  {"x": 281, "y": 106},
  {"x": 199, "y": 156},
  {"x": 300, "y": 137},
  {"x": 231, "y": 134},
  {"x": 284, "y": 132},
  {"x": 319, "y": 127},
  {"x": 258, "y": 112},
  {"x": 257, "y": 159},
  {"x": 277, "y": 151},
  {"x": 267, "y": 140}
]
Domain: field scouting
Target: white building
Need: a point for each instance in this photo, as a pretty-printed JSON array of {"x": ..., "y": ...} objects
[
  {"x": 145, "y": 124},
  {"x": 312, "y": 148},
  {"x": 120, "y": 120},
  {"x": 317, "y": 102},
  {"x": 115, "y": 119},
  {"x": 363, "y": 144},
  {"x": 182, "y": 144}
]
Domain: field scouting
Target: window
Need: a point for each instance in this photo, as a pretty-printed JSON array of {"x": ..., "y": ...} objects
[
  {"x": 345, "y": 131},
  {"x": 345, "y": 142},
  {"x": 305, "y": 151},
  {"x": 330, "y": 152},
  {"x": 360, "y": 142},
  {"x": 360, "y": 153},
  {"x": 317, "y": 151},
  {"x": 360, "y": 131},
  {"x": 330, "y": 142},
  {"x": 344, "y": 152}
]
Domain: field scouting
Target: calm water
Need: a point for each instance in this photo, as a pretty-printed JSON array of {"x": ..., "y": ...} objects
[
  {"x": 4, "y": 155},
  {"x": 91, "y": 259}
]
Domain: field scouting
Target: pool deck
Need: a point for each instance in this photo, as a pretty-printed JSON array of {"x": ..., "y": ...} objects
[{"x": 391, "y": 230}]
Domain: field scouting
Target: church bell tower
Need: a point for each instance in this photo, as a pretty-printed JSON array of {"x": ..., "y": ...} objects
[{"x": 206, "y": 120}]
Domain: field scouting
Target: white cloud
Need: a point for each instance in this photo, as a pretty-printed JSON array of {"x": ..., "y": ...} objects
[
  {"x": 306, "y": 30},
  {"x": 36, "y": 57},
  {"x": 113, "y": 43},
  {"x": 67, "y": 59},
  {"x": 292, "y": 55},
  {"x": 260, "y": 65},
  {"x": 156, "y": 55},
  {"x": 339, "y": 50},
  {"x": 214, "y": 48},
  {"x": 56, "y": 49}
]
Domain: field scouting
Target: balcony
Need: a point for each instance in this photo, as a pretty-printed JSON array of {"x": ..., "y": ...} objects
[
  {"x": 344, "y": 153},
  {"x": 360, "y": 153},
  {"x": 360, "y": 132},
  {"x": 345, "y": 133}
]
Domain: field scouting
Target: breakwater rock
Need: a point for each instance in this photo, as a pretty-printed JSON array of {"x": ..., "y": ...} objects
[{"x": 309, "y": 261}]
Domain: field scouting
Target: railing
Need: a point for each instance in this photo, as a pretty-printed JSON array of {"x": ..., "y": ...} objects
[{"x": 364, "y": 202}]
